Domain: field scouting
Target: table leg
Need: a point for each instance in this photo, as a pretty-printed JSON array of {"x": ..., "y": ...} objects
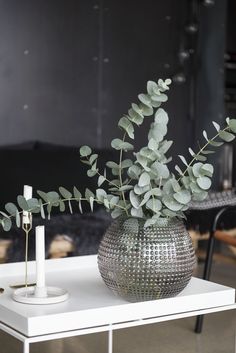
[
  {"x": 26, "y": 348},
  {"x": 110, "y": 340}
]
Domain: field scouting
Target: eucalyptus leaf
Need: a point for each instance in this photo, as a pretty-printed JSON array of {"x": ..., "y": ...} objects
[
  {"x": 134, "y": 172},
  {"x": 4, "y": 214},
  {"x": 106, "y": 203},
  {"x": 171, "y": 203},
  {"x": 145, "y": 99},
  {"x": 204, "y": 182},
  {"x": 117, "y": 212},
  {"x": 215, "y": 143},
  {"x": 226, "y": 136},
  {"x": 207, "y": 170},
  {"x": 135, "y": 117},
  {"x": 33, "y": 205},
  {"x": 197, "y": 169},
  {"x": 42, "y": 209},
  {"x": 18, "y": 219},
  {"x": 114, "y": 201},
  {"x": 112, "y": 165},
  {"x": 154, "y": 204},
  {"x": 88, "y": 194},
  {"x": 11, "y": 208},
  {"x": 126, "y": 163},
  {"x": 161, "y": 170},
  {"x": 141, "y": 190},
  {"x": 153, "y": 144},
  {"x": 77, "y": 193},
  {"x": 200, "y": 196},
  {"x": 85, "y": 151},
  {"x": 144, "y": 179},
  {"x": 53, "y": 196},
  {"x": 65, "y": 193},
  {"x": 118, "y": 144},
  {"x": 134, "y": 199},
  {"x": 91, "y": 201},
  {"x": 137, "y": 212},
  {"x": 101, "y": 180},
  {"x": 177, "y": 168},
  {"x": 151, "y": 87},
  {"x": 22, "y": 203},
  {"x": 126, "y": 187},
  {"x": 232, "y": 125},
  {"x": 101, "y": 194},
  {"x": 201, "y": 158},
  {"x": 127, "y": 126},
  {"x": 182, "y": 196},
  {"x": 175, "y": 184},
  {"x": 91, "y": 173},
  {"x": 165, "y": 146},
  {"x": 62, "y": 206},
  {"x": 207, "y": 152},
  {"x": 216, "y": 125},
  {"x": 183, "y": 160},
  {"x": 161, "y": 116},
  {"x": 146, "y": 109},
  {"x": 205, "y": 135},
  {"x": 7, "y": 224},
  {"x": 191, "y": 152},
  {"x": 93, "y": 158}
]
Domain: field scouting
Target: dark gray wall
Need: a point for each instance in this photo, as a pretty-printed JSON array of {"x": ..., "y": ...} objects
[
  {"x": 69, "y": 69},
  {"x": 210, "y": 87}
]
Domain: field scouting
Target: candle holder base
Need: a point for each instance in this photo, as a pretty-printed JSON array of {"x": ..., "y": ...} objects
[{"x": 27, "y": 296}]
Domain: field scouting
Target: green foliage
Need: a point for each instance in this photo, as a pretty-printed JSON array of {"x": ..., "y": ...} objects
[{"x": 142, "y": 186}]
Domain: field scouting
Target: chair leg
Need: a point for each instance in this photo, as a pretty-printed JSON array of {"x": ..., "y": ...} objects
[{"x": 206, "y": 275}]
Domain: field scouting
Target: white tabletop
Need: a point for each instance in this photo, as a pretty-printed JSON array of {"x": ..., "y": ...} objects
[{"x": 91, "y": 303}]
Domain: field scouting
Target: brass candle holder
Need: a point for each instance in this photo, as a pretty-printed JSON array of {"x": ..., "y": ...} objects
[{"x": 26, "y": 226}]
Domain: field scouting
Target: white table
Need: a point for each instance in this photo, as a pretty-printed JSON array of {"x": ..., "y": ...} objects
[{"x": 92, "y": 307}]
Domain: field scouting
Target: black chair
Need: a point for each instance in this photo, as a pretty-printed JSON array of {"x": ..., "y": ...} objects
[{"x": 221, "y": 236}]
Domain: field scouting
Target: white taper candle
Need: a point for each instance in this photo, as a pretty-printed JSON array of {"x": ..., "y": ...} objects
[
  {"x": 27, "y": 193},
  {"x": 40, "y": 256}
]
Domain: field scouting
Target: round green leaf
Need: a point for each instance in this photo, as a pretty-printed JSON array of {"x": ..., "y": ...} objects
[
  {"x": 204, "y": 182},
  {"x": 134, "y": 199},
  {"x": 226, "y": 136},
  {"x": 127, "y": 126},
  {"x": 144, "y": 179},
  {"x": 64, "y": 192},
  {"x": 232, "y": 125},
  {"x": 85, "y": 151},
  {"x": 196, "y": 168},
  {"x": 182, "y": 196},
  {"x": 171, "y": 203}
]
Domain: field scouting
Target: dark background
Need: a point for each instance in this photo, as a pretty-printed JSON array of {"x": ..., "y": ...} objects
[{"x": 69, "y": 69}]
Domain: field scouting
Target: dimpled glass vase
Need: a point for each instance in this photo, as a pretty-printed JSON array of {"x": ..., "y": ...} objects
[{"x": 150, "y": 263}]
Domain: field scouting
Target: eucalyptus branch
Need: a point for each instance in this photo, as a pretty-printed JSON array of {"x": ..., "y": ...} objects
[
  {"x": 202, "y": 149},
  {"x": 69, "y": 199}
]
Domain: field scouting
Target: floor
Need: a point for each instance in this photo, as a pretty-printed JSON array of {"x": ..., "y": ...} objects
[{"x": 172, "y": 337}]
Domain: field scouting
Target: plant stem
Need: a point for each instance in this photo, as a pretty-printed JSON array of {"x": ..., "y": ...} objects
[{"x": 120, "y": 176}]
